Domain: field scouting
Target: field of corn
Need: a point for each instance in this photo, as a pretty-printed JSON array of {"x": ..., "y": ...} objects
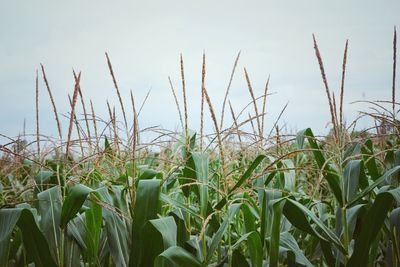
[{"x": 99, "y": 196}]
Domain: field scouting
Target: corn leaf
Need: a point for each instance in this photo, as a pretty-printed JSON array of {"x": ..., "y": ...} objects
[
  {"x": 178, "y": 257},
  {"x": 73, "y": 202},
  {"x": 35, "y": 243}
]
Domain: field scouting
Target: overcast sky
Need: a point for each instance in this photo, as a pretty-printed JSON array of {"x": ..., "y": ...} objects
[{"x": 144, "y": 40}]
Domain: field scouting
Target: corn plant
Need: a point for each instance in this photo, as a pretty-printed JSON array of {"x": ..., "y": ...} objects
[{"x": 231, "y": 198}]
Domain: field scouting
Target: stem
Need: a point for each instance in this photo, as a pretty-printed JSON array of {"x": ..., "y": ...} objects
[
  {"x": 204, "y": 244},
  {"x": 230, "y": 252},
  {"x": 63, "y": 234},
  {"x": 345, "y": 233},
  {"x": 188, "y": 217},
  {"x": 218, "y": 217}
]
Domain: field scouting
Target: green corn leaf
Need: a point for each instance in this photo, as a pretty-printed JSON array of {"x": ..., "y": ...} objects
[
  {"x": 248, "y": 218},
  {"x": 233, "y": 210},
  {"x": 196, "y": 170},
  {"x": 385, "y": 177},
  {"x": 374, "y": 219},
  {"x": 395, "y": 221},
  {"x": 369, "y": 159},
  {"x": 353, "y": 214},
  {"x": 167, "y": 199},
  {"x": 266, "y": 198},
  {"x": 263, "y": 199},
  {"x": 182, "y": 234},
  {"x": 77, "y": 228},
  {"x": 93, "y": 220},
  {"x": 289, "y": 175},
  {"x": 35, "y": 243},
  {"x": 167, "y": 228},
  {"x": 246, "y": 175},
  {"x": 159, "y": 235},
  {"x": 8, "y": 220},
  {"x": 73, "y": 202},
  {"x": 298, "y": 215},
  {"x": 146, "y": 208},
  {"x": 72, "y": 252},
  {"x": 352, "y": 149},
  {"x": 277, "y": 206},
  {"x": 242, "y": 238},
  {"x": 372, "y": 224},
  {"x": 330, "y": 174},
  {"x": 116, "y": 231},
  {"x": 43, "y": 177},
  {"x": 255, "y": 249},
  {"x": 49, "y": 206},
  {"x": 354, "y": 177},
  {"x": 178, "y": 257},
  {"x": 147, "y": 203},
  {"x": 188, "y": 176},
  {"x": 238, "y": 260},
  {"x": 288, "y": 243},
  {"x": 269, "y": 178},
  {"x": 149, "y": 174},
  {"x": 201, "y": 166},
  {"x": 327, "y": 251},
  {"x": 117, "y": 236},
  {"x": 194, "y": 246}
]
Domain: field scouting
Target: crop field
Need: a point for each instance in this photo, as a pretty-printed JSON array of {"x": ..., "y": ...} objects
[{"x": 98, "y": 195}]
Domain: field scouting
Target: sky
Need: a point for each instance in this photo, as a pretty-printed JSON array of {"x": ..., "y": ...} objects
[{"x": 145, "y": 38}]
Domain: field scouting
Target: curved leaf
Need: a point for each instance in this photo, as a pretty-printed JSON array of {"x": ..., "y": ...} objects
[
  {"x": 34, "y": 242},
  {"x": 166, "y": 226},
  {"x": 233, "y": 210},
  {"x": 93, "y": 220},
  {"x": 178, "y": 257},
  {"x": 368, "y": 156},
  {"x": 49, "y": 205},
  {"x": 201, "y": 166},
  {"x": 246, "y": 175},
  {"x": 297, "y": 214},
  {"x": 73, "y": 203},
  {"x": 288, "y": 242},
  {"x": 354, "y": 177},
  {"x": 146, "y": 208},
  {"x": 277, "y": 207},
  {"x": 374, "y": 219},
  {"x": 371, "y": 187},
  {"x": 330, "y": 174},
  {"x": 116, "y": 231}
]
